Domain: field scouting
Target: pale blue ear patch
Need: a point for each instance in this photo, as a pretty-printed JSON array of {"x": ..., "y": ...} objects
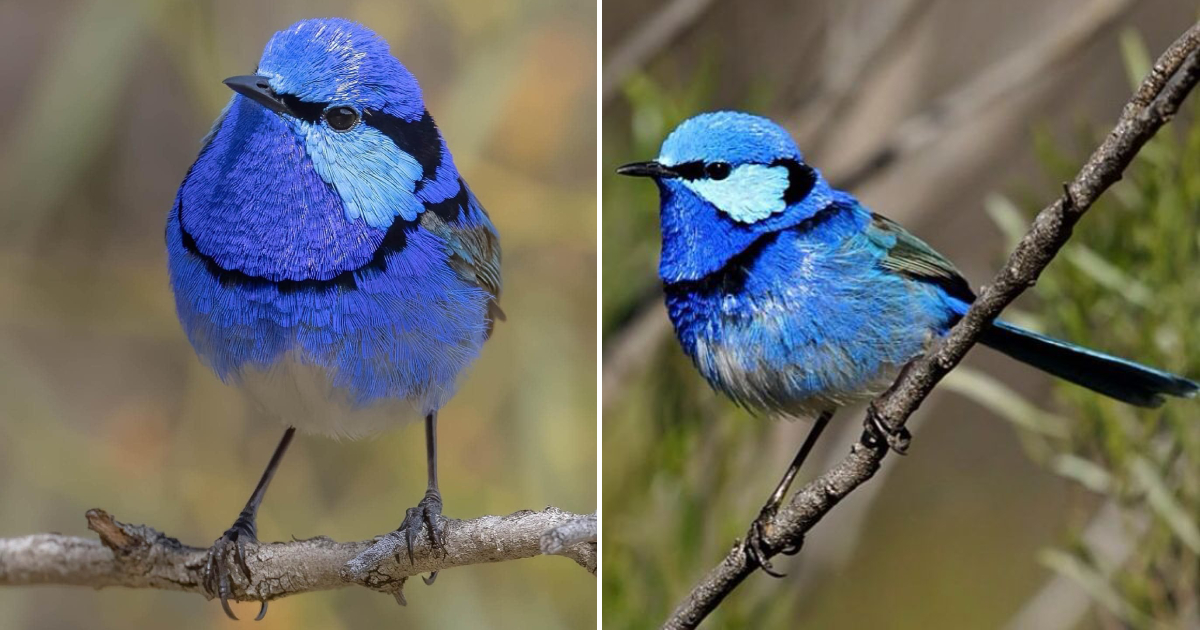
[
  {"x": 751, "y": 193},
  {"x": 374, "y": 178}
]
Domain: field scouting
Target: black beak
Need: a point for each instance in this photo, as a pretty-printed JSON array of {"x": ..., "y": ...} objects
[
  {"x": 647, "y": 169},
  {"x": 256, "y": 88}
]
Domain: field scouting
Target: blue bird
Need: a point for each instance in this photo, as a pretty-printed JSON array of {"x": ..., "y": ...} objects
[
  {"x": 327, "y": 257},
  {"x": 792, "y": 298}
]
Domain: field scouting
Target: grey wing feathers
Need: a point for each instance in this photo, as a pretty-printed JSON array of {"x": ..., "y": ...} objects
[
  {"x": 910, "y": 256},
  {"x": 475, "y": 251}
]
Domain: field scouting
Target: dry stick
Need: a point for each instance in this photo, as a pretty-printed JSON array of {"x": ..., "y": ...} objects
[
  {"x": 562, "y": 538},
  {"x": 136, "y": 556},
  {"x": 1029, "y": 63},
  {"x": 1155, "y": 102},
  {"x": 851, "y": 59},
  {"x": 653, "y": 36},
  {"x": 628, "y": 349}
]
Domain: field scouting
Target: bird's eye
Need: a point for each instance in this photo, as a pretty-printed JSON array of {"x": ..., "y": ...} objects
[
  {"x": 341, "y": 118},
  {"x": 717, "y": 170}
]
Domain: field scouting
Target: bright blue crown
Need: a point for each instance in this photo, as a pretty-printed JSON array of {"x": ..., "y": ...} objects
[
  {"x": 733, "y": 137},
  {"x": 337, "y": 61}
]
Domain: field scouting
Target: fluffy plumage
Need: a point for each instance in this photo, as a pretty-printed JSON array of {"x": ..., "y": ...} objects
[
  {"x": 342, "y": 276},
  {"x": 791, "y": 297}
]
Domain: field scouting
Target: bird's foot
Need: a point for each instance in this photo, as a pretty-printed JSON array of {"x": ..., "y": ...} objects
[
  {"x": 427, "y": 514},
  {"x": 755, "y": 544},
  {"x": 228, "y": 550},
  {"x": 876, "y": 431}
]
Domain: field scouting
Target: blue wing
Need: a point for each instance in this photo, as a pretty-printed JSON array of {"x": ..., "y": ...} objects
[
  {"x": 910, "y": 256},
  {"x": 474, "y": 245}
]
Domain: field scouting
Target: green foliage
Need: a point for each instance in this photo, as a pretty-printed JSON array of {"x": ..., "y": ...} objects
[{"x": 1127, "y": 284}]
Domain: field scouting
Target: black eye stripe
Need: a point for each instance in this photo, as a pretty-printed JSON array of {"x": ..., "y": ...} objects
[
  {"x": 418, "y": 138},
  {"x": 801, "y": 177},
  {"x": 310, "y": 112},
  {"x": 689, "y": 170}
]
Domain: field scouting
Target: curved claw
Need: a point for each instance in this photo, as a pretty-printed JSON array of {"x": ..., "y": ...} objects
[
  {"x": 429, "y": 580},
  {"x": 435, "y": 536},
  {"x": 875, "y": 431},
  {"x": 217, "y": 570},
  {"x": 408, "y": 533},
  {"x": 428, "y": 513},
  {"x": 241, "y": 557},
  {"x": 224, "y": 593},
  {"x": 753, "y": 547}
]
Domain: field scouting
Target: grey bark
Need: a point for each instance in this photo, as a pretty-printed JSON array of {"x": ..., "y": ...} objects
[{"x": 137, "y": 556}]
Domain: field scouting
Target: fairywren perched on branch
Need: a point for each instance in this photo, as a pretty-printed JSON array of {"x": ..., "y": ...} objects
[
  {"x": 327, "y": 257},
  {"x": 792, "y": 298}
]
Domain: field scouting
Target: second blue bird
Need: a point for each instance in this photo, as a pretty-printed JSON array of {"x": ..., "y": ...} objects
[
  {"x": 327, "y": 257},
  {"x": 792, "y": 298}
]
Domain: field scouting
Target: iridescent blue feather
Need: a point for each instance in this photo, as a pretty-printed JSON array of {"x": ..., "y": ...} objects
[
  {"x": 791, "y": 297},
  {"x": 349, "y": 267}
]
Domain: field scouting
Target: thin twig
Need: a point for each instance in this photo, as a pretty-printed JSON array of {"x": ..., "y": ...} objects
[
  {"x": 1028, "y": 63},
  {"x": 649, "y": 39},
  {"x": 852, "y": 58},
  {"x": 1153, "y": 105},
  {"x": 137, "y": 556}
]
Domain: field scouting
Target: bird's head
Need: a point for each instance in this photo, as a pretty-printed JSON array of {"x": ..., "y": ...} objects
[
  {"x": 315, "y": 157},
  {"x": 726, "y": 179}
]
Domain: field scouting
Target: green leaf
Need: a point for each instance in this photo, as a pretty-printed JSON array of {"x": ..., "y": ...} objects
[
  {"x": 1163, "y": 502},
  {"x": 1087, "y": 473},
  {"x": 1136, "y": 57},
  {"x": 1003, "y": 401},
  {"x": 1094, "y": 583},
  {"x": 1008, "y": 217},
  {"x": 1107, "y": 274}
]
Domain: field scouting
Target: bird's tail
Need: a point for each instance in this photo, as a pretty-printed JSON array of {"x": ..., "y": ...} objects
[{"x": 1116, "y": 378}]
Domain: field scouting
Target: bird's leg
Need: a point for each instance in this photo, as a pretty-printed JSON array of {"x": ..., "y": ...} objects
[
  {"x": 428, "y": 512},
  {"x": 758, "y": 530},
  {"x": 217, "y": 569}
]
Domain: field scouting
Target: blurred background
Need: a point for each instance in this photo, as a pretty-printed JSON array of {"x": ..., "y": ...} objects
[
  {"x": 1024, "y": 503},
  {"x": 102, "y": 402}
]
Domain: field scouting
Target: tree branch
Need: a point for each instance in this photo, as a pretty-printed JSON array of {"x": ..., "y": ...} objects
[
  {"x": 137, "y": 556},
  {"x": 1153, "y": 105},
  {"x": 563, "y": 538}
]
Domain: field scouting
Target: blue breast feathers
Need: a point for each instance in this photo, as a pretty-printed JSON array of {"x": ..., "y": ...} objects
[
  {"x": 785, "y": 326},
  {"x": 400, "y": 329},
  {"x": 325, "y": 232}
]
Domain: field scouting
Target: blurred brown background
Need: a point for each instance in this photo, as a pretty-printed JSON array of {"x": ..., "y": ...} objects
[
  {"x": 102, "y": 402},
  {"x": 928, "y": 110}
]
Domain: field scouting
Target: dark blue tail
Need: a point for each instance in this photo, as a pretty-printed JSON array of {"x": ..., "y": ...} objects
[{"x": 1116, "y": 378}]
